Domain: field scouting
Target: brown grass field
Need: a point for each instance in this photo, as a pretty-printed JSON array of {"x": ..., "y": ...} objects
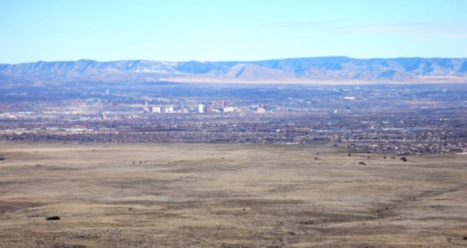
[{"x": 224, "y": 195}]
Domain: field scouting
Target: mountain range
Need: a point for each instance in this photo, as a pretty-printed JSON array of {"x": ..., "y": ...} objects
[{"x": 294, "y": 70}]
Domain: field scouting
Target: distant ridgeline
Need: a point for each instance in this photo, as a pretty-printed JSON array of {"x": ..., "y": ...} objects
[{"x": 297, "y": 70}]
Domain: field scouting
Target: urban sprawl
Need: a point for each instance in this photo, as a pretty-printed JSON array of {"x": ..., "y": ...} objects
[{"x": 389, "y": 119}]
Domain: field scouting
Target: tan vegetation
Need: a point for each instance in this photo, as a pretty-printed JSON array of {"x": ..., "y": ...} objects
[{"x": 208, "y": 195}]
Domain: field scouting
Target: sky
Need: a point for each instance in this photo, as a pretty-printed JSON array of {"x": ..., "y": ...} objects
[{"x": 226, "y": 30}]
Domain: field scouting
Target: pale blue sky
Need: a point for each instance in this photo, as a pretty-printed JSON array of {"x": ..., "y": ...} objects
[{"x": 219, "y": 30}]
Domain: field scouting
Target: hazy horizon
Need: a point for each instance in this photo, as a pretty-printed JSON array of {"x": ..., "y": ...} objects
[
  {"x": 214, "y": 61},
  {"x": 204, "y": 30}
]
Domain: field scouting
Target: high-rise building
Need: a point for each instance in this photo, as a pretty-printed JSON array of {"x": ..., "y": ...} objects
[
  {"x": 168, "y": 109},
  {"x": 201, "y": 108},
  {"x": 155, "y": 109},
  {"x": 209, "y": 108}
]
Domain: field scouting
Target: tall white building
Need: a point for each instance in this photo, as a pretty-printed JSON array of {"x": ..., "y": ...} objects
[
  {"x": 156, "y": 109},
  {"x": 201, "y": 108},
  {"x": 168, "y": 109}
]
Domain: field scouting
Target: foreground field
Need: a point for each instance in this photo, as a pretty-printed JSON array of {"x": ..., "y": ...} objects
[{"x": 206, "y": 195}]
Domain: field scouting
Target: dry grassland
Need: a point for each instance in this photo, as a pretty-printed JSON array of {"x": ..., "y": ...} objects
[{"x": 208, "y": 195}]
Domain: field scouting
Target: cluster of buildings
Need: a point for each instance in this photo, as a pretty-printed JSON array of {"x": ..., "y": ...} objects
[
  {"x": 395, "y": 121},
  {"x": 211, "y": 107}
]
